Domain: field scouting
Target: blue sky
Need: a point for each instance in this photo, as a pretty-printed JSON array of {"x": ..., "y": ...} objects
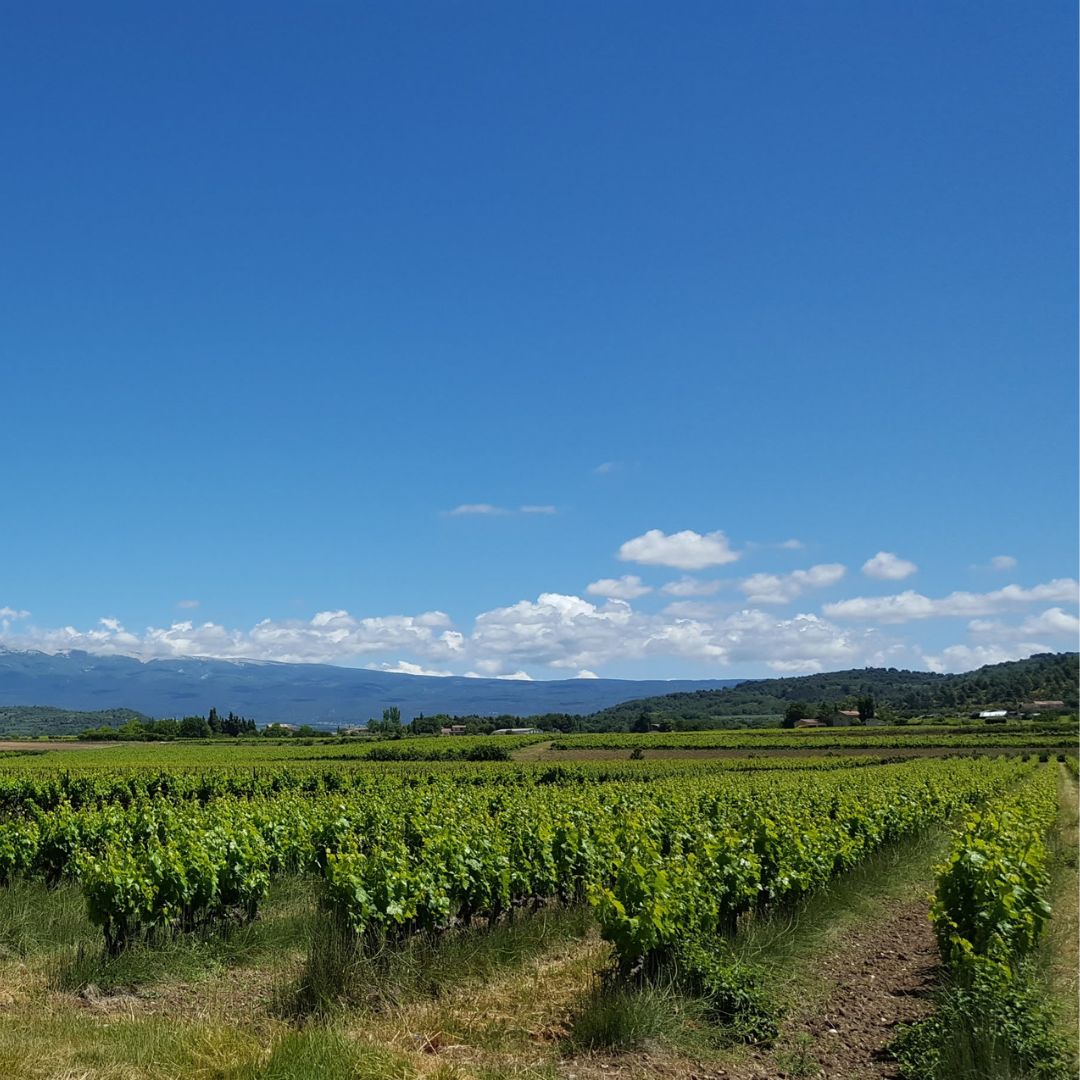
[{"x": 283, "y": 290}]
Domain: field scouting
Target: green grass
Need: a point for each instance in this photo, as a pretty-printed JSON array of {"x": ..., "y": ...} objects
[
  {"x": 318, "y": 1053},
  {"x": 617, "y": 1017},
  {"x": 277, "y": 938},
  {"x": 1059, "y": 955},
  {"x": 36, "y": 920},
  {"x": 338, "y": 972}
]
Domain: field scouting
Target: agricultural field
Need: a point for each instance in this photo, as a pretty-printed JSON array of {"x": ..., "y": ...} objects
[{"x": 495, "y": 908}]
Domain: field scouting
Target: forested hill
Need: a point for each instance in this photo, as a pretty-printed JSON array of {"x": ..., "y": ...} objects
[
  {"x": 39, "y": 719},
  {"x": 1046, "y": 676}
]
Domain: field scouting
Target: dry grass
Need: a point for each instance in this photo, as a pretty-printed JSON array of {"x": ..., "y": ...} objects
[{"x": 509, "y": 1025}]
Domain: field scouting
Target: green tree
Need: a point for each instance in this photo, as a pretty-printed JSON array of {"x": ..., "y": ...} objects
[
  {"x": 795, "y": 712},
  {"x": 391, "y": 722},
  {"x": 194, "y": 727}
]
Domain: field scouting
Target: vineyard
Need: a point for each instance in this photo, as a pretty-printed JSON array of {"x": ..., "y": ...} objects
[{"x": 663, "y": 871}]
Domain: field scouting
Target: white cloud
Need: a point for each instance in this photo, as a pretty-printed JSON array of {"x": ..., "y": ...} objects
[
  {"x": 490, "y": 510},
  {"x": 783, "y": 588},
  {"x": 13, "y": 613},
  {"x": 995, "y": 641},
  {"x": 691, "y": 586},
  {"x": 791, "y": 545},
  {"x": 476, "y": 508},
  {"x": 328, "y": 637},
  {"x": 886, "y": 566},
  {"x": 627, "y": 587},
  {"x": 686, "y": 550},
  {"x": 966, "y": 657},
  {"x": 1053, "y": 622},
  {"x": 1003, "y": 562},
  {"x": 189, "y": 604},
  {"x": 909, "y": 605},
  {"x": 403, "y": 667},
  {"x": 606, "y": 467},
  {"x": 585, "y": 673},
  {"x": 556, "y": 632}
]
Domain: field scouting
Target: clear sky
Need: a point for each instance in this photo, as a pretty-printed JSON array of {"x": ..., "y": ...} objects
[{"x": 637, "y": 339}]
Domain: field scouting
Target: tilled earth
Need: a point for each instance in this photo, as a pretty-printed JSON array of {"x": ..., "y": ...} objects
[{"x": 881, "y": 977}]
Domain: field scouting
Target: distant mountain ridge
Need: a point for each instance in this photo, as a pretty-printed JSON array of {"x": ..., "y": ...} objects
[{"x": 319, "y": 694}]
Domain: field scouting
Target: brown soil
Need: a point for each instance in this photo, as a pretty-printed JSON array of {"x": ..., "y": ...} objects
[
  {"x": 881, "y": 978},
  {"x": 29, "y": 744},
  {"x": 542, "y": 752}
]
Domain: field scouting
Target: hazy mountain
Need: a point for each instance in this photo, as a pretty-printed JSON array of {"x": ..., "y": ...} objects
[{"x": 319, "y": 694}]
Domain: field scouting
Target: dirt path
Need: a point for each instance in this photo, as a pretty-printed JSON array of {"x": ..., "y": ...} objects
[{"x": 880, "y": 976}]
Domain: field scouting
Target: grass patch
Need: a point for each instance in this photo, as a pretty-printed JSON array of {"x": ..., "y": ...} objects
[
  {"x": 338, "y": 972},
  {"x": 318, "y": 1053},
  {"x": 276, "y": 938},
  {"x": 72, "y": 1044},
  {"x": 1059, "y": 955},
  {"x": 616, "y": 1017},
  {"x": 35, "y": 919}
]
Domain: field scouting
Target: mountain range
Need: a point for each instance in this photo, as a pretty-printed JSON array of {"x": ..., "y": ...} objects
[{"x": 319, "y": 694}]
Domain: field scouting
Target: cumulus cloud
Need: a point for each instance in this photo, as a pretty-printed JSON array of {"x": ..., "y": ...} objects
[
  {"x": 995, "y": 641},
  {"x": 585, "y": 673},
  {"x": 783, "y": 588},
  {"x": 909, "y": 605},
  {"x": 1053, "y": 622},
  {"x": 627, "y": 587},
  {"x": 791, "y": 545},
  {"x": 1003, "y": 562},
  {"x": 187, "y": 604},
  {"x": 327, "y": 637},
  {"x": 577, "y": 636},
  {"x": 966, "y": 657},
  {"x": 691, "y": 586},
  {"x": 686, "y": 550},
  {"x": 555, "y": 629},
  {"x": 557, "y": 632},
  {"x": 886, "y": 566}
]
